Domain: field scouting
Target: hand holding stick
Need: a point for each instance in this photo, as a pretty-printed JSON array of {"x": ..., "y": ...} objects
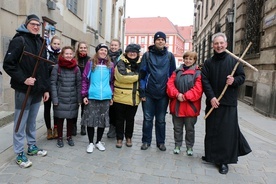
[{"x": 232, "y": 73}]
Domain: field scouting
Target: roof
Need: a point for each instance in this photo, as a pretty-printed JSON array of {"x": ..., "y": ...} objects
[
  {"x": 185, "y": 31},
  {"x": 149, "y": 25}
]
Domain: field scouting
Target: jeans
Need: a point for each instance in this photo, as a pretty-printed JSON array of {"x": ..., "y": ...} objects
[
  {"x": 154, "y": 108},
  {"x": 28, "y": 121}
]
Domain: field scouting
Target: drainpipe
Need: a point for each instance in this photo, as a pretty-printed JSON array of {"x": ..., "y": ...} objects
[{"x": 234, "y": 24}]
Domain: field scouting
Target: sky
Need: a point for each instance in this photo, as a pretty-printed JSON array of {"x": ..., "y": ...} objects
[{"x": 179, "y": 12}]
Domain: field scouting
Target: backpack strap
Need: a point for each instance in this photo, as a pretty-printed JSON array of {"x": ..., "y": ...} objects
[{"x": 23, "y": 40}]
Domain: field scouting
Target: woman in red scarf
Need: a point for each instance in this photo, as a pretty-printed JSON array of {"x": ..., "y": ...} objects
[{"x": 66, "y": 92}]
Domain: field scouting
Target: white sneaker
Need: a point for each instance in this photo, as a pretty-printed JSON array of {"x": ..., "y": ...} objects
[
  {"x": 100, "y": 146},
  {"x": 90, "y": 148}
]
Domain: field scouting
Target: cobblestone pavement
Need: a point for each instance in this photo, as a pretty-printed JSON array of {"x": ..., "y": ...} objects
[{"x": 132, "y": 165}]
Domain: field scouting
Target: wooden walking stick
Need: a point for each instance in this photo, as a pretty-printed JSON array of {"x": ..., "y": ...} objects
[
  {"x": 232, "y": 73},
  {"x": 38, "y": 58}
]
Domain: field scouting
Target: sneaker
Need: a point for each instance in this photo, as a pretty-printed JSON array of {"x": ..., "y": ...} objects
[
  {"x": 70, "y": 141},
  {"x": 100, "y": 146},
  {"x": 23, "y": 161},
  {"x": 162, "y": 147},
  {"x": 34, "y": 150},
  {"x": 60, "y": 143},
  {"x": 176, "y": 150},
  {"x": 189, "y": 151},
  {"x": 145, "y": 146},
  {"x": 90, "y": 148}
]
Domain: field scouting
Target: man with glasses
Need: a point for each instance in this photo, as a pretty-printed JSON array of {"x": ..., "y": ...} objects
[{"x": 20, "y": 68}]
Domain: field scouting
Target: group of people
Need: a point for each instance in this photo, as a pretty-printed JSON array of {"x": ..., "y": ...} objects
[{"x": 110, "y": 85}]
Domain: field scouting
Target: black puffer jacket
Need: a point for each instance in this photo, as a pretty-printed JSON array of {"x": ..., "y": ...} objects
[
  {"x": 20, "y": 67},
  {"x": 66, "y": 91}
]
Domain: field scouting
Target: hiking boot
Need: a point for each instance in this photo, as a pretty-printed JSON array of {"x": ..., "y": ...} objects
[
  {"x": 162, "y": 147},
  {"x": 128, "y": 142},
  {"x": 70, "y": 141},
  {"x": 60, "y": 143},
  {"x": 119, "y": 144},
  {"x": 74, "y": 130},
  {"x": 145, "y": 146},
  {"x": 22, "y": 160},
  {"x": 83, "y": 132},
  {"x": 189, "y": 151},
  {"x": 55, "y": 133},
  {"x": 176, "y": 150},
  {"x": 111, "y": 132},
  {"x": 100, "y": 146},
  {"x": 34, "y": 150},
  {"x": 49, "y": 134},
  {"x": 90, "y": 148}
]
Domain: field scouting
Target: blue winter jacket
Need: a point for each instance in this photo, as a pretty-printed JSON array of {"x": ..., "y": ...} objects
[{"x": 155, "y": 70}]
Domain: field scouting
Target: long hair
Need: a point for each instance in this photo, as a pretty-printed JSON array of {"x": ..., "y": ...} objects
[
  {"x": 95, "y": 61},
  {"x": 78, "y": 47}
]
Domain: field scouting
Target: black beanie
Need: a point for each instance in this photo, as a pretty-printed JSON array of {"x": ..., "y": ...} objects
[
  {"x": 159, "y": 34},
  {"x": 101, "y": 45},
  {"x": 30, "y": 18},
  {"x": 133, "y": 48}
]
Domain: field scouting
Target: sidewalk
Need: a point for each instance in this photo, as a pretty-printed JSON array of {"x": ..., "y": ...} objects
[{"x": 132, "y": 165}]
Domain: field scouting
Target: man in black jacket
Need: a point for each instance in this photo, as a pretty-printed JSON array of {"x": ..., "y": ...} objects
[{"x": 20, "y": 68}]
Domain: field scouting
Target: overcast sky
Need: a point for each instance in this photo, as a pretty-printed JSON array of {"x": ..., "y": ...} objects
[{"x": 179, "y": 12}]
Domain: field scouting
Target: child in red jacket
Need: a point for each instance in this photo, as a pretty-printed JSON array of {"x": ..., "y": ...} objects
[{"x": 184, "y": 89}]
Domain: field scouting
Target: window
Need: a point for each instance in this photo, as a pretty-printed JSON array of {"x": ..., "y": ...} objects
[
  {"x": 213, "y": 4},
  {"x": 142, "y": 40},
  {"x": 252, "y": 24},
  {"x": 72, "y": 5},
  {"x": 132, "y": 39},
  {"x": 209, "y": 48},
  {"x": 203, "y": 51},
  {"x": 248, "y": 91},
  {"x": 206, "y": 8}
]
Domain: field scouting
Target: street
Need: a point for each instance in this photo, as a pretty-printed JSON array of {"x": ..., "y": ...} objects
[{"x": 132, "y": 165}]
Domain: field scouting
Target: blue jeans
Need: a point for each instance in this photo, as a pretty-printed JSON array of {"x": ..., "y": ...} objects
[
  {"x": 27, "y": 126},
  {"x": 154, "y": 108}
]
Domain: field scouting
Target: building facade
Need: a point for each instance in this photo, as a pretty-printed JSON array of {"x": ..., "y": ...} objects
[
  {"x": 141, "y": 31},
  {"x": 243, "y": 21},
  {"x": 94, "y": 21}
]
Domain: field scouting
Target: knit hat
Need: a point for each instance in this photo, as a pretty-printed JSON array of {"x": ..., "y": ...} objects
[
  {"x": 101, "y": 45},
  {"x": 133, "y": 48},
  {"x": 30, "y": 18},
  {"x": 159, "y": 34}
]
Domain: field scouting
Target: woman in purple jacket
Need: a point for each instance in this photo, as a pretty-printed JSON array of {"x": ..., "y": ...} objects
[{"x": 97, "y": 89}]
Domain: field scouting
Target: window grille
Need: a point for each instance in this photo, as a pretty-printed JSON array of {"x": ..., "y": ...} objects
[{"x": 253, "y": 24}]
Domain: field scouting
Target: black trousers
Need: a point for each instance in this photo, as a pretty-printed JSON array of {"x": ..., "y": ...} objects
[
  {"x": 124, "y": 120},
  {"x": 47, "y": 113}
]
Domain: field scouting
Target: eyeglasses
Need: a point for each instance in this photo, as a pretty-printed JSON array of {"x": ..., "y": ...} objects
[{"x": 34, "y": 24}]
